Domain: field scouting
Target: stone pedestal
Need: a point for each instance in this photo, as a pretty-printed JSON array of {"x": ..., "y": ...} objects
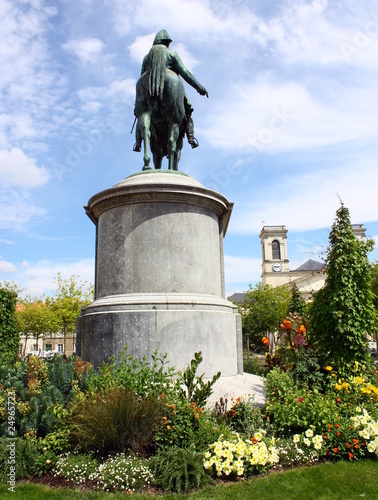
[{"x": 159, "y": 280}]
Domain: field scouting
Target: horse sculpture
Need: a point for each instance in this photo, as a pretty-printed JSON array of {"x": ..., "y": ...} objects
[
  {"x": 161, "y": 120},
  {"x": 161, "y": 106}
]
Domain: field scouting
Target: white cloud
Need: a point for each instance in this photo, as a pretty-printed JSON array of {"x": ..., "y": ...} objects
[
  {"x": 37, "y": 279},
  {"x": 16, "y": 169},
  {"x": 319, "y": 32},
  {"x": 85, "y": 49},
  {"x": 7, "y": 267},
  {"x": 309, "y": 201},
  {"x": 17, "y": 211},
  {"x": 268, "y": 116},
  {"x": 192, "y": 19},
  {"x": 140, "y": 46}
]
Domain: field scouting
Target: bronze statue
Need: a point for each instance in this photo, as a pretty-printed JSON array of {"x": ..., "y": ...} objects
[{"x": 162, "y": 108}]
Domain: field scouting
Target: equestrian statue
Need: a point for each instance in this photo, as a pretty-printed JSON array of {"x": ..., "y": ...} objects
[{"x": 162, "y": 108}]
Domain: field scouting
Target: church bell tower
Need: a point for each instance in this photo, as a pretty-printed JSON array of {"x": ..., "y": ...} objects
[{"x": 275, "y": 263}]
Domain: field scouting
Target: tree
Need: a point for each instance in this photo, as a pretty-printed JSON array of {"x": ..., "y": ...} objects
[
  {"x": 71, "y": 296},
  {"x": 297, "y": 303},
  {"x": 9, "y": 338},
  {"x": 263, "y": 310},
  {"x": 342, "y": 312},
  {"x": 34, "y": 317},
  {"x": 374, "y": 287}
]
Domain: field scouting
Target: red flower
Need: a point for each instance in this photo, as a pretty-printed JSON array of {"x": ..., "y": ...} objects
[
  {"x": 356, "y": 446},
  {"x": 300, "y": 400},
  {"x": 355, "y": 440},
  {"x": 336, "y": 450},
  {"x": 338, "y": 433},
  {"x": 338, "y": 426},
  {"x": 348, "y": 445},
  {"x": 351, "y": 455},
  {"x": 338, "y": 400}
]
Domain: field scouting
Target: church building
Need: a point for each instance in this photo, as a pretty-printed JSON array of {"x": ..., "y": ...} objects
[{"x": 309, "y": 277}]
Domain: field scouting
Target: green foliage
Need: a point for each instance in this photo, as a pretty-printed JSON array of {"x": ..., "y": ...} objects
[
  {"x": 137, "y": 375},
  {"x": 306, "y": 369},
  {"x": 9, "y": 337},
  {"x": 297, "y": 303},
  {"x": 122, "y": 473},
  {"x": 263, "y": 310},
  {"x": 343, "y": 312},
  {"x": 251, "y": 364},
  {"x": 75, "y": 468},
  {"x": 179, "y": 469},
  {"x": 26, "y": 455},
  {"x": 293, "y": 407},
  {"x": 244, "y": 417},
  {"x": 35, "y": 318},
  {"x": 185, "y": 424},
  {"x": 116, "y": 419},
  {"x": 37, "y": 387},
  {"x": 197, "y": 391}
]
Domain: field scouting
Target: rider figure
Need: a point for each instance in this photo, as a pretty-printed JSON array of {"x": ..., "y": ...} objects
[{"x": 174, "y": 63}]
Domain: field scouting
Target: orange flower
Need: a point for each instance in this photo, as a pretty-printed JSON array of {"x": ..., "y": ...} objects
[
  {"x": 356, "y": 446},
  {"x": 355, "y": 440},
  {"x": 338, "y": 426},
  {"x": 329, "y": 426},
  {"x": 348, "y": 445},
  {"x": 325, "y": 436},
  {"x": 336, "y": 450},
  {"x": 302, "y": 330},
  {"x": 338, "y": 400},
  {"x": 351, "y": 455},
  {"x": 169, "y": 427},
  {"x": 286, "y": 325},
  {"x": 338, "y": 433},
  {"x": 196, "y": 415},
  {"x": 265, "y": 340}
]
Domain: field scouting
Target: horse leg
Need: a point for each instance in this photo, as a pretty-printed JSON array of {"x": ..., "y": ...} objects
[
  {"x": 157, "y": 161},
  {"x": 144, "y": 122},
  {"x": 173, "y": 136}
]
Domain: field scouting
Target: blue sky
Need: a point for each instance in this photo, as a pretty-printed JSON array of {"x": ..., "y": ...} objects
[{"x": 290, "y": 124}]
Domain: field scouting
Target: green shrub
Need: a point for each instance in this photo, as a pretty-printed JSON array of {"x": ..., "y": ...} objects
[
  {"x": 196, "y": 390},
  {"x": 185, "y": 424},
  {"x": 116, "y": 419},
  {"x": 26, "y": 455},
  {"x": 37, "y": 386},
  {"x": 251, "y": 364},
  {"x": 75, "y": 468},
  {"x": 140, "y": 376},
  {"x": 9, "y": 336},
  {"x": 244, "y": 417},
  {"x": 122, "y": 473},
  {"x": 293, "y": 407},
  {"x": 179, "y": 469}
]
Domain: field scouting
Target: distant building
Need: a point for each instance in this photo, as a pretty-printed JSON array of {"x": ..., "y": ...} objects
[
  {"x": 308, "y": 277},
  {"x": 47, "y": 345}
]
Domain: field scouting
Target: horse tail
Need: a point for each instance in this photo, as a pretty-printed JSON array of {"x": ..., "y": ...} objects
[{"x": 156, "y": 66}]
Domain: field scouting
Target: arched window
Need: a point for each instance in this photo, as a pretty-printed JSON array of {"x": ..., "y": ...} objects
[{"x": 276, "y": 250}]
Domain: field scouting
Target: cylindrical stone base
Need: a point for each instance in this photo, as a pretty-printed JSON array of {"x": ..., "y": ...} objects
[{"x": 160, "y": 275}]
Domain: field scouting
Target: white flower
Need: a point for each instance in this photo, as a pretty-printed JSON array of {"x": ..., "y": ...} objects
[
  {"x": 309, "y": 433},
  {"x": 296, "y": 438}
]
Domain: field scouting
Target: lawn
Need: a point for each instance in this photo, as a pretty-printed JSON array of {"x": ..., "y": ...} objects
[{"x": 341, "y": 480}]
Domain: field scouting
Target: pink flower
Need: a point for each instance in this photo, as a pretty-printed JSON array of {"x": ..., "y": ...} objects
[{"x": 300, "y": 400}]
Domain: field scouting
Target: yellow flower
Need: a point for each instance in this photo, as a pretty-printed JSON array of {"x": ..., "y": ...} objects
[{"x": 329, "y": 368}]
